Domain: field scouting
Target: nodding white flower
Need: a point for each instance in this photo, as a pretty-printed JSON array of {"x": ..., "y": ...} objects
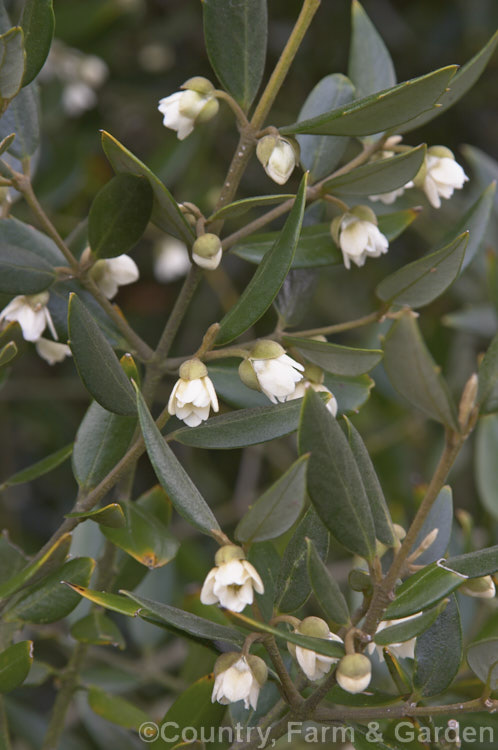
[
  {"x": 358, "y": 236},
  {"x": 314, "y": 665},
  {"x": 52, "y": 351},
  {"x": 193, "y": 394},
  {"x": 278, "y": 157},
  {"x": 233, "y": 581},
  {"x": 111, "y": 273},
  {"x": 171, "y": 260},
  {"x": 207, "y": 251},
  {"x": 354, "y": 673},
  {"x": 184, "y": 109},
  {"x": 32, "y": 314},
  {"x": 440, "y": 175},
  {"x": 403, "y": 650},
  {"x": 238, "y": 678},
  {"x": 269, "y": 369},
  {"x": 313, "y": 378},
  {"x": 481, "y": 588}
]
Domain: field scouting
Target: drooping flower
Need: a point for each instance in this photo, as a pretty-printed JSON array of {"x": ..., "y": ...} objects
[
  {"x": 440, "y": 175},
  {"x": 32, "y": 314},
  {"x": 314, "y": 665},
  {"x": 400, "y": 650},
  {"x": 269, "y": 369},
  {"x": 52, "y": 351},
  {"x": 278, "y": 157},
  {"x": 233, "y": 581},
  {"x": 238, "y": 678},
  {"x": 358, "y": 236},
  {"x": 207, "y": 251},
  {"x": 354, "y": 673},
  {"x": 171, "y": 260},
  {"x": 313, "y": 378},
  {"x": 480, "y": 588},
  {"x": 194, "y": 104},
  {"x": 111, "y": 273},
  {"x": 193, "y": 394}
]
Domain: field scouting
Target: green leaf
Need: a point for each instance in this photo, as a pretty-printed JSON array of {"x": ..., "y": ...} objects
[
  {"x": 186, "y": 621},
  {"x": 20, "y": 236},
  {"x": 483, "y": 562},
  {"x": 98, "y": 630},
  {"x": 482, "y": 658},
  {"x": 488, "y": 379},
  {"x": 315, "y": 247},
  {"x": 236, "y": 37},
  {"x": 293, "y": 586},
  {"x": 266, "y": 560},
  {"x": 49, "y": 600},
  {"x": 6, "y": 143},
  {"x": 38, "y": 24},
  {"x": 380, "y": 512},
  {"x": 241, "y": 428},
  {"x": 183, "y": 493},
  {"x": 101, "y": 441},
  {"x": 11, "y": 63},
  {"x": 334, "y": 481},
  {"x": 110, "y": 515},
  {"x": 22, "y": 118},
  {"x": 23, "y": 272},
  {"x": 230, "y": 388},
  {"x": 115, "y": 709},
  {"x": 475, "y": 221},
  {"x": 382, "y": 111},
  {"x": 462, "y": 81},
  {"x": 269, "y": 277},
  {"x": 241, "y": 207},
  {"x": 422, "y": 281},
  {"x": 326, "y": 590},
  {"x": 15, "y": 663},
  {"x": 370, "y": 66},
  {"x": 340, "y": 360},
  {"x": 119, "y": 215},
  {"x": 414, "y": 374},
  {"x": 380, "y": 175},
  {"x": 7, "y": 354},
  {"x": 97, "y": 365},
  {"x": 486, "y": 465},
  {"x": 413, "y": 627},
  {"x": 166, "y": 213},
  {"x": 38, "y": 469},
  {"x": 114, "y": 602},
  {"x": 441, "y": 518},
  {"x": 53, "y": 557},
  {"x": 438, "y": 652},
  {"x": 351, "y": 393},
  {"x": 278, "y": 508},
  {"x": 321, "y": 153},
  {"x": 145, "y": 537}
]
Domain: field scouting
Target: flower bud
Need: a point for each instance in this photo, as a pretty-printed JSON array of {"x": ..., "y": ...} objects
[
  {"x": 360, "y": 581},
  {"x": 238, "y": 677},
  {"x": 266, "y": 349},
  {"x": 481, "y": 588},
  {"x": 229, "y": 552},
  {"x": 354, "y": 673},
  {"x": 275, "y": 372},
  {"x": 207, "y": 251},
  {"x": 199, "y": 84},
  {"x": 278, "y": 157},
  {"x": 248, "y": 375},
  {"x": 314, "y": 665}
]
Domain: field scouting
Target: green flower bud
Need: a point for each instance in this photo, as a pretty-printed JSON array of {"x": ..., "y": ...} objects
[
  {"x": 248, "y": 376},
  {"x": 354, "y": 673},
  {"x": 258, "y": 668},
  {"x": 266, "y": 349},
  {"x": 364, "y": 213},
  {"x": 193, "y": 369},
  {"x": 199, "y": 84},
  {"x": 207, "y": 251},
  {"x": 227, "y": 553},
  {"x": 481, "y": 588},
  {"x": 440, "y": 151}
]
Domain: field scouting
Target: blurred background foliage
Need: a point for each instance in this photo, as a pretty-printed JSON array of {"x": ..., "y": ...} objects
[{"x": 150, "y": 48}]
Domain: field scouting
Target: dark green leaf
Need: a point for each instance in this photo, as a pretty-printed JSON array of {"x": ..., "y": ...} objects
[
  {"x": 334, "y": 481},
  {"x": 195, "y": 710},
  {"x": 23, "y": 272},
  {"x": 269, "y": 277},
  {"x": 39, "y": 468},
  {"x": 97, "y": 629},
  {"x": 53, "y": 557},
  {"x": 380, "y": 175},
  {"x": 278, "y": 508},
  {"x": 475, "y": 221},
  {"x": 101, "y": 441},
  {"x": 413, "y": 372},
  {"x": 326, "y": 590},
  {"x": 482, "y": 658},
  {"x": 382, "y": 111},
  {"x": 8, "y": 353},
  {"x": 411, "y": 628},
  {"x": 145, "y": 537},
  {"x": 321, "y": 153},
  {"x": 111, "y": 515},
  {"x": 240, "y": 207},
  {"x": 22, "y": 118},
  {"x": 266, "y": 560},
  {"x": 119, "y": 215},
  {"x": 422, "y": 281},
  {"x": 351, "y": 393},
  {"x": 114, "y": 602},
  {"x": 97, "y": 365},
  {"x": 115, "y": 709},
  {"x": 486, "y": 465},
  {"x": 438, "y": 652},
  {"x": 11, "y": 63},
  {"x": 483, "y": 562},
  {"x": 488, "y": 379},
  {"x": 166, "y": 213},
  {"x": 236, "y": 35},
  {"x": 21, "y": 236},
  {"x": 184, "y": 495},
  {"x": 38, "y": 23},
  {"x": 370, "y": 66},
  {"x": 441, "y": 518},
  {"x": 340, "y": 360},
  {"x": 15, "y": 663}
]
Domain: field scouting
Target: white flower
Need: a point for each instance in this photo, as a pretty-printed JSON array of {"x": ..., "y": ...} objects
[
  {"x": 358, "y": 236},
  {"x": 314, "y": 665},
  {"x": 32, "y": 314},
  {"x": 183, "y": 109},
  {"x": 403, "y": 650},
  {"x": 269, "y": 369},
  {"x": 389, "y": 198},
  {"x": 233, "y": 581},
  {"x": 193, "y": 394},
  {"x": 111, "y": 273},
  {"x": 440, "y": 175},
  {"x": 52, "y": 351},
  {"x": 207, "y": 251},
  {"x": 313, "y": 378},
  {"x": 354, "y": 673},
  {"x": 171, "y": 260},
  {"x": 480, "y": 588},
  {"x": 238, "y": 678},
  {"x": 278, "y": 157}
]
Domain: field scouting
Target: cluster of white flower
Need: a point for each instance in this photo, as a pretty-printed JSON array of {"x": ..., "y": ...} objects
[{"x": 358, "y": 236}]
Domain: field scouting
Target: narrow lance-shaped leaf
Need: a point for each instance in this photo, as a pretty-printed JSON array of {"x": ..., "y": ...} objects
[
  {"x": 482, "y": 658},
  {"x": 380, "y": 175},
  {"x": 486, "y": 465},
  {"x": 38, "y": 24},
  {"x": 15, "y": 663},
  {"x": 334, "y": 481},
  {"x": 183, "y": 493},
  {"x": 487, "y": 397},
  {"x": 98, "y": 629},
  {"x": 38, "y": 469},
  {"x": 241, "y": 207},
  {"x": 325, "y": 588},
  {"x": 22, "y": 118},
  {"x": 340, "y": 360},
  {"x": 438, "y": 652},
  {"x": 113, "y": 602},
  {"x": 411, "y": 628},
  {"x": 54, "y": 556},
  {"x": 441, "y": 518},
  {"x": 413, "y": 372},
  {"x": 8, "y": 353},
  {"x": 370, "y": 66},
  {"x": 97, "y": 365},
  {"x": 116, "y": 709},
  {"x": 475, "y": 221},
  {"x": 269, "y": 277},
  {"x": 11, "y": 63},
  {"x": 110, "y": 515}
]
